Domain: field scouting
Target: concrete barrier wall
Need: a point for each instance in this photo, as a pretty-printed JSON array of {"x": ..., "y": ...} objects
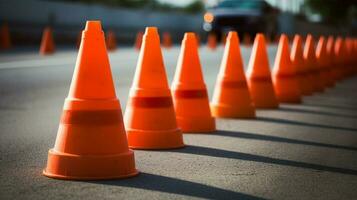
[
  {"x": 289, "y": 24},
  {"x": 304, "y": 28},
  {"x": 67, "y": 19},
  {"x": 27, "y": 18}
]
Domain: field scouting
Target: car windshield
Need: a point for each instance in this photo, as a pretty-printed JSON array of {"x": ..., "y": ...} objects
[{"x": 242, "y": 4}]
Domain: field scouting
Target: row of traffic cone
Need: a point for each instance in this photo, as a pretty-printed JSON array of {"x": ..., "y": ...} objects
[
  {"x": 212, "y": 41},
  {"x": 47, "y": 45},
  {"x": 92, "y": 142}
]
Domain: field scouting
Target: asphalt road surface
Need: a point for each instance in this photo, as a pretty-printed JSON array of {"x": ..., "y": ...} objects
[{"x": 306, "y": 151}]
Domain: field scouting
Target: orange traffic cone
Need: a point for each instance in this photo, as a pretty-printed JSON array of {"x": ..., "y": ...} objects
[
  {"x": 322, "y": 61},
  {"x": 212, "y": 41},
  {"x": 344, "y": 59},
  {"x": 111, "y": 41},
  {"x": 285, "y": 74},
  {"x": 349, "y": 55},
  {"x": 166, "y": 40},
  {"x": 259, "y": 77},
  {"x": 150, "y": 116},
  {"x": 297, "y": 61},
  {"x": 354, "y": 58},
  {"x": 350, "y": 46},
  {"x": 339, "y": 54},
  {"x": 91, "y": 141},
  {"x": 247, "y": 40},
  {"x": 189, "y": 90},
  {"x": 231, "y": 96},
  {"x": 5, "y": 41},
  {"x": 331, "y": 60},
  {"x": 311, "y": 63},
  {"x": 138, "y": 40},
  {"x": 47, "y": 43}
]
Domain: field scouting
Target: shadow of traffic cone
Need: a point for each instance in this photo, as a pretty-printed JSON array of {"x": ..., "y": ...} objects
[
  {"x": 150, "y": 116},
  {"x": 138, "y": 40},
  {"x": 285, "y": 74},
  {"x": 322, "y": 61},
  {"x": 111, "y": 41},
  {"x": 166, "y": 40},
  {"x": 212, "y": 41},
  {"x": 247, "y": 41},
  {"x": 259, "y": 77},
  {"x": 311, "y": 63},
  {"x": 5, "y": 41},
  {"x": 331, "y": 60},
  {"x": 47, "y": 43},
  {"x": 189, "y": 90},
  {"x": 231, "y": 98},
  {"x": 91, "y": 142},
  {"x": 297, "y": 61}
]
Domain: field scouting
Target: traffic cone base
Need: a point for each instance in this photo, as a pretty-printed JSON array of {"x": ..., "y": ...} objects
[
  {"x": 262, "y": 92},
  {"x": 197, "y": 125},
  {"x": 153, "y": 128},
  {"x": 317, "y": 77},
  {"x": 91, "y": 141},
  {"x": 284, "y": 90},
  {"x": 229, "y": 111},
  {"x": 324, "y": 73},
  {"x": 329, "y": 74},
  {"x": 304, "y": 82},
  {"x": 235, "y": 101},
  {"x": 145, "y": 139},
  {"x": 196, "y": 120},
  {"x": 75, "y": 167}
]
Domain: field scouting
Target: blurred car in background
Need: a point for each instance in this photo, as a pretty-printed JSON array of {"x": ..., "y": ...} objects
[{"x": 243, "y": 16}]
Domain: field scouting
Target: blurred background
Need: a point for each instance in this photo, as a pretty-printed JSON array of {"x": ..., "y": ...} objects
[{"x": 27, "y": 18}]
